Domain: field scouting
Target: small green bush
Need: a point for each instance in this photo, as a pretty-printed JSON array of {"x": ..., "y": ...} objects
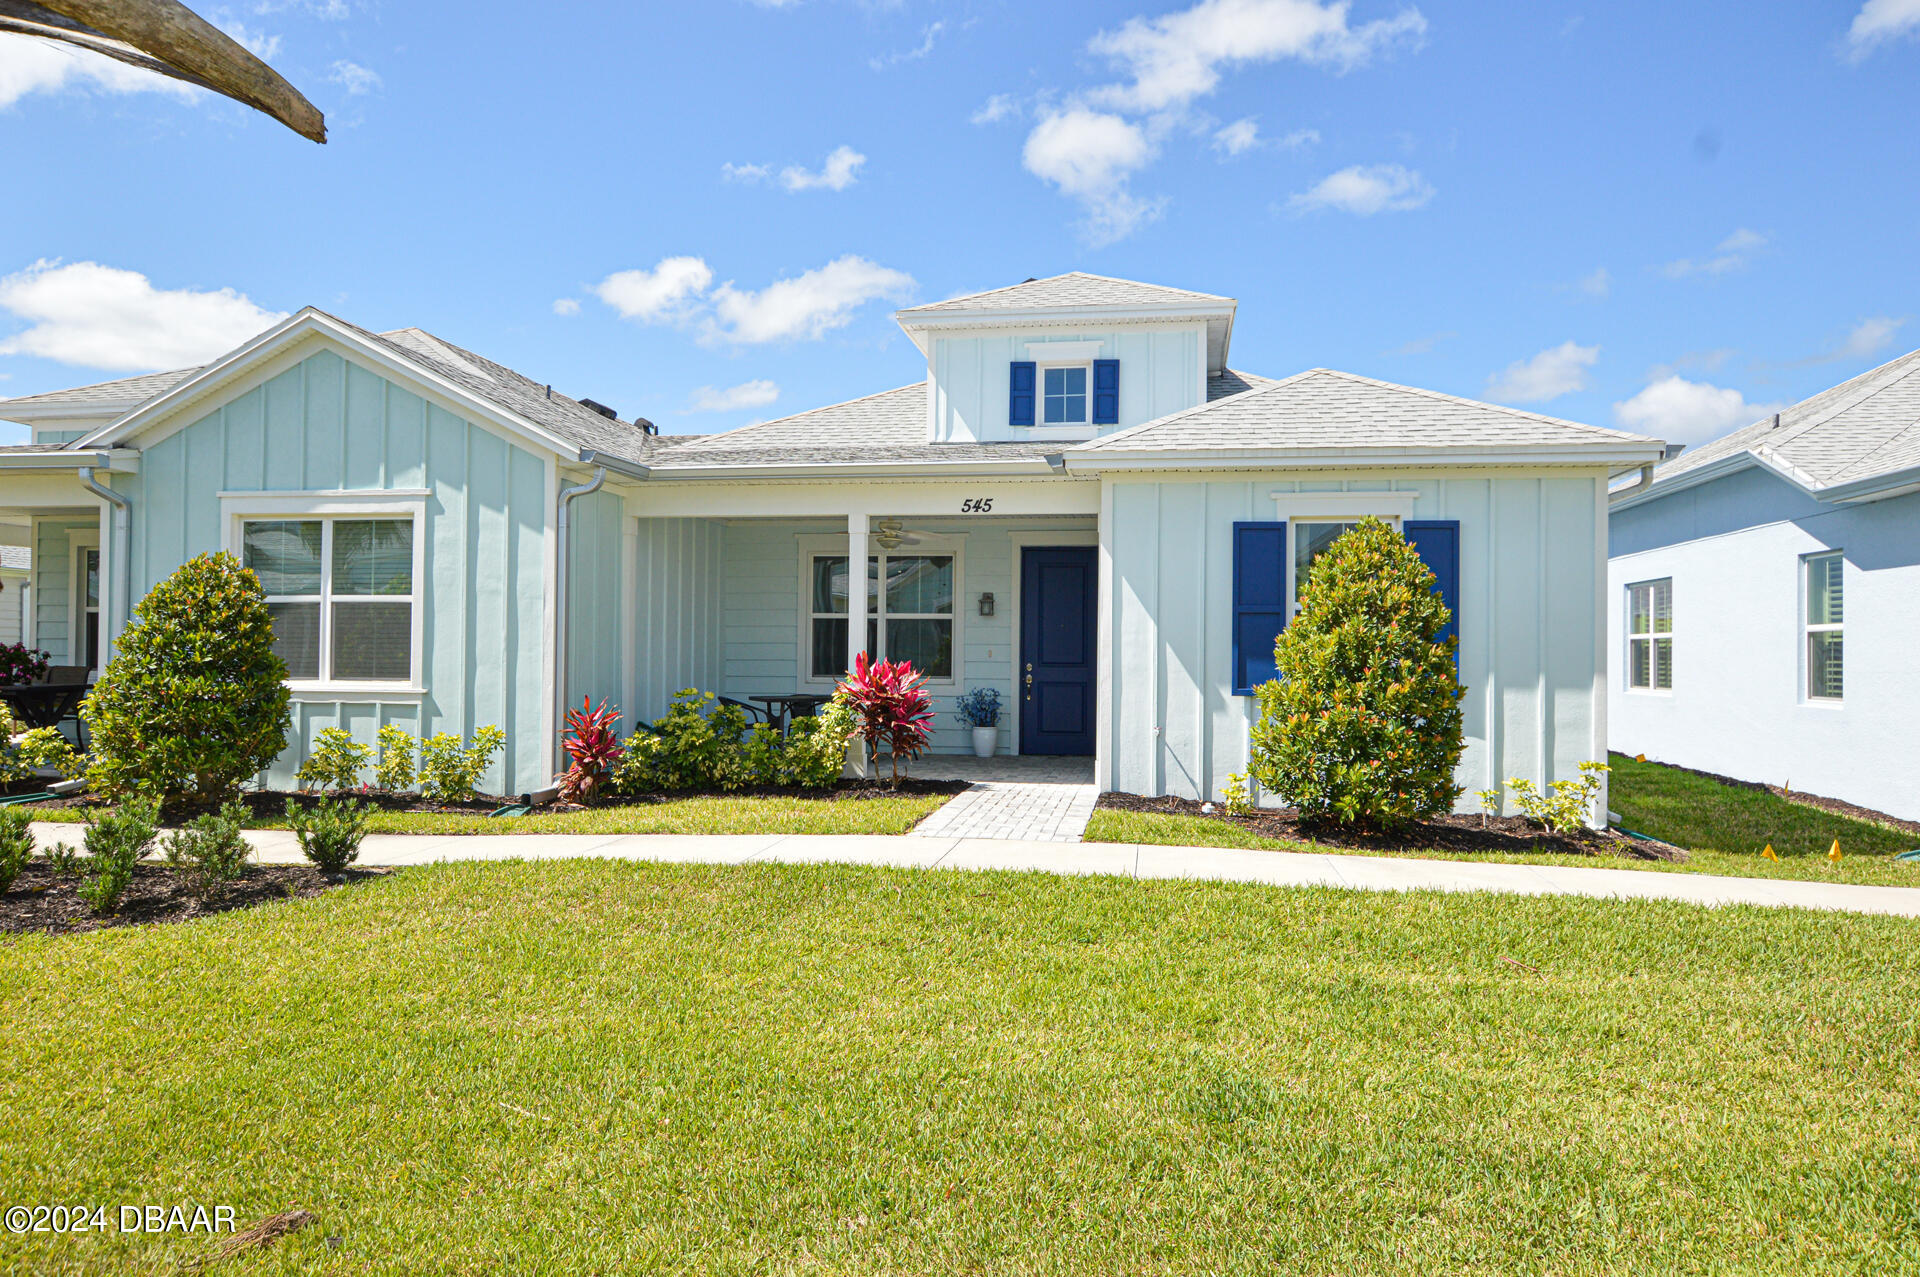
[
  {"x": 208, "y": 852},
  {"x": 335, "y": 762},
  {"x": 62, "y": 858},
  {"x": 699, "y": 744},
  {"x": 194, "y": 701},
  {"x": 1566, "y": 810},
  {"x": 329, "y": 831},
  {"x": 116, "y": 842},
  {"x": 16, "y": 844},
  {"x": 394, "y": 771},
  {"x": 815, "y": 753},
  {"x": 450, "y": 770},
  {"x": 1362, "y": 726},
  {"x": 47, "y": 747}
]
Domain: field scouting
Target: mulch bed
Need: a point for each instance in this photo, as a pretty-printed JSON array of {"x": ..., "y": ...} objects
[
  {"x": 41, "y": 900},
  {"x": 1443, "y": 833},
  {"x": 1838, "y": 806}
]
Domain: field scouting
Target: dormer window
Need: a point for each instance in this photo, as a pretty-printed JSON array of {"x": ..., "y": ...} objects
[{"x": 1064, "y": 399}]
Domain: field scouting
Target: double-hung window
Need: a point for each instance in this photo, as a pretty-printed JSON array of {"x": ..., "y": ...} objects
[
  {"x": 1063, "y": 397},
  {"x": 1650, "y": 635},
  {"x": 1826, "y": 611},
  {"x": 1310, "y": 541},
  {"x": 910, "y": 612},
  {"x": 343, "y": 595}
]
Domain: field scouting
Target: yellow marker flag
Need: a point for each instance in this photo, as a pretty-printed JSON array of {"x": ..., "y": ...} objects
[
  {"x": 1833, "y": 852},
  {"x": 1639, "y": 758},
  {"x": 1767, "y": 853}
]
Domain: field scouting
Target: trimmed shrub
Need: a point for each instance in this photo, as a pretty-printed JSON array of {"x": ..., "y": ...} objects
[
  {"x": 815, "y": 753},
  {"x": 194, "y": 701},
  {"x": 336, "y": 760},
  {"x": 16, "y": 844},
  {"x": 394, "y": 771},
  {"x": 696, "y": 744},
  {"x": 329, "y": 832},
  {"x": 116, "y": 842},
  {"x": 1362, "y": 727},
  {"x": 208, "y": 852},
  {"x": 450, "y": 770},
  {"x": 47, "y": 747}
]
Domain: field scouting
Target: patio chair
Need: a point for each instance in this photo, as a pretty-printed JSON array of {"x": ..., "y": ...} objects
[
  {"x": 68, "y": 707},
  {"x": 754, "y": 713}
]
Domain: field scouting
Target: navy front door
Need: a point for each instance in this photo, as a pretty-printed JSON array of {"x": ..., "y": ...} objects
[{"x": 1058, "y": 589}]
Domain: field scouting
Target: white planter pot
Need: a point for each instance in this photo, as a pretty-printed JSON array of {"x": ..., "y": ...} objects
[{"x": 984, "y": 739}]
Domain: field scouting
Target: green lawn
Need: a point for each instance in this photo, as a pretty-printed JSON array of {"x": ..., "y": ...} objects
[
  {"x": 729, "y": 815},
  {"x": 614, "y": 1067},
  {"x": 1722, "y": 826}
]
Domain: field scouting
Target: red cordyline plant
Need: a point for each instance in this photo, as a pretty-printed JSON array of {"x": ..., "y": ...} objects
[
  {"x": 893, "y": 707},
  {"x": 594, "y": 748}
]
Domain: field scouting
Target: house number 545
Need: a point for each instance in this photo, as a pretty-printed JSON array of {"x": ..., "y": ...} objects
[{"x": 976, "y": 505}]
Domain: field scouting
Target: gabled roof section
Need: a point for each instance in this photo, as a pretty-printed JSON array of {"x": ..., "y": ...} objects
[
  {"x": 1855, "y": 441},
  {"x": 1074, "y": 290},
  {"x": 1324, "y": 414},
  {"x": 99, "y": 399}
]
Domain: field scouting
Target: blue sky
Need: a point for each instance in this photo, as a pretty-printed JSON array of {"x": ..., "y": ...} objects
[{"x": 1667, "y": 217}]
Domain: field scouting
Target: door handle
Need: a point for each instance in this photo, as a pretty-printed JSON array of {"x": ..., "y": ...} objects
[{"x": 1029, "y": 683}]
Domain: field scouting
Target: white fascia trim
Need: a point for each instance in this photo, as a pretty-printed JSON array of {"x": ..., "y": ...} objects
[
  {"x": 919, "y": 327},
  {"x": 309, "y": 322},
  {"x": 875, "y": 469},
  {"x": 1321, "y": 458},
  {"x": 122, "y": 460},
  {"x": 1719, "y": 468},
  {"x": 34, "y": 413}
]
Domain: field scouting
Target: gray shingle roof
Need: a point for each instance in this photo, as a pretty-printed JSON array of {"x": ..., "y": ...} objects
[
  {"x": 1075, "y": 288},
  {"x": 1322, "y": 410},
  {"x": 1864, "y": 427},
  {"x": 111, "y": 396}
]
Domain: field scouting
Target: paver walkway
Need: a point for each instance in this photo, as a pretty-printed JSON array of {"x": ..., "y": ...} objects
[
  {"x": 1275, "y": 868},
  {"x": 1040, "y": 799}
]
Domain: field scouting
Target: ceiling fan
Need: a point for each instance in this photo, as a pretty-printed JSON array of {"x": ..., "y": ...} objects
[{"x": 891, "y": 534}]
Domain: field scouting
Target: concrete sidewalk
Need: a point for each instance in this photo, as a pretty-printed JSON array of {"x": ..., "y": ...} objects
[{"x": 1274, "y": 868}]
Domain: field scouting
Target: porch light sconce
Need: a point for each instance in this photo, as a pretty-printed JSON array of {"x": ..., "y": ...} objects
[{"x": 986, "y": 605}]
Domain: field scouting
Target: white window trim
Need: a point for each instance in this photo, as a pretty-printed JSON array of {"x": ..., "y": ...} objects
[
  {"x": 1626, "y": 664},
  {"x": 80, "y": 540},
  {"x": 1040, "y": 421},
  {"x": 239, "y": 508},
  {"x": 1349, "y": 514},
  {"x": 1808, "y": 629},
  {"x": 1061, "y": 354},
  {"x": 812, "y": 547}
]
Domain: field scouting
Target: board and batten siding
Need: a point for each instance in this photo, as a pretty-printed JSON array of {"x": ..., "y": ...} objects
[
  {"x": 53, "y": 582},
  {"x": 1162, "y": 370},
  {"x": 1531, "y": 657},
  {"x": 329, "y": 424},
  {"x": 678, "y": 613}
]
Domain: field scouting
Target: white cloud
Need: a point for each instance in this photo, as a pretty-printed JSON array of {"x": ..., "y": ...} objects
[
  {"x": 1237, "y": 138},
  {"x": 1001, "y": 106},
  {"x": 1175, "y": 58},
  {"x": 748, "y": 394},
  {"x": 1299, "y": 140},
  {"x": 914, "y": 54},
  {"x": 1598, "y": 284},
  {"x": 1682, "y": 411},
  {"x": 808, "y": 305},
  {"x": 1867, "y": 338},
  {"x": 745, "y": 172},
  {"x": 1732, "y": 254},
  {"x": 258, "y": 43},
  {"x": 1419, "y": 345},
  {"x": 31, "y": 65},
  {"x": 354, "y": 78},
  {"x": 102, "y": 317},
  {"x": 837, "y": 174},
  {"x": 1882, "y": 20},
  {"x": 566, "y": 306},
  {"x": 1558, "y": 370},
  {"x": 662, "y": 293},
  {"x": 1090, "y": 155},
  {"x": 1365, "y": 190}
]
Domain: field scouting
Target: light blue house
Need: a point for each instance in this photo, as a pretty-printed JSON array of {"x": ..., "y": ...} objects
[
  {"x": 1081, "y": 505},
  {"x": 1764, "y": 597}
]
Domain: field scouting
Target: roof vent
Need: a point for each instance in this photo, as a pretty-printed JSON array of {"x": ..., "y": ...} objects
[
  {"x": 646, "y": 427},
  {"x": 600, "y": 408}
]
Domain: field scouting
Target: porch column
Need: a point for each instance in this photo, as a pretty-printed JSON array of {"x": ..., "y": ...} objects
[{"x": 856, "y": 622}]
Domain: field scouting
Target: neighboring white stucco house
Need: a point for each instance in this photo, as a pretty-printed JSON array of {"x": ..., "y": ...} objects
[
  {"x": 1764, "y": 599},
  {"x": 1081, "y": 505}
]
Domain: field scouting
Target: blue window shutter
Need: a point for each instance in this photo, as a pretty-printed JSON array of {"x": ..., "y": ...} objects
[
  {"x": 1437, "y": 541},
  {"x": 1106, "y": 392},
  {"x": 1020, "y": 396},
  {"x": 1259, "y": 601}
]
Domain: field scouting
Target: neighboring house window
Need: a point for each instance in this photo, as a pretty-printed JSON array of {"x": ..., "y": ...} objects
[
  {"x": 1310, "y": 541},
  {"x": 1064, "y": 396},
  {"x": 1650, "y": 635},
  {"x": 910, "y": 619},
  {"x": 90, "y": 606},
  {"x": 1826, "y": 611},
  {"x": 342, "y": 593}
]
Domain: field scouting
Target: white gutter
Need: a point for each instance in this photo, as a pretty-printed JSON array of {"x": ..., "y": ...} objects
[
  {"x": 1095, "y": 459},
  {"x": 560, "y": 584},
  {"x": 1638, "y": 486},
  {"x": 873, "y": 469},
  {"x": 121, "y": 566}
]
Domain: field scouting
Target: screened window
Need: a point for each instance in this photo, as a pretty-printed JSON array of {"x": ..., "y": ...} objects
[
  {"x": 90, "y": 606},
  {"x": 1064, "y": 397},
  {"x": 1310, "y": 541},
  {"x": 1650, "y": 635},
  {"x": 909, "y": 617},
  {"x": 1826, "y": 611},
  {"x": 342, "y": 595}
]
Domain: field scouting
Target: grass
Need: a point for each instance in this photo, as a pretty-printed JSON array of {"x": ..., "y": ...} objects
[
  {"x": 614, "y": 1067},
  {"x": 707, "y": 815},
  {"x": 1724, "y": 827}
]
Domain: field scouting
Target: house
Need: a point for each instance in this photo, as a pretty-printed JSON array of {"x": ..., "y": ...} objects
[
  {"x": 1082, "y": 504},
  {"x": 1764, "y": 597}
]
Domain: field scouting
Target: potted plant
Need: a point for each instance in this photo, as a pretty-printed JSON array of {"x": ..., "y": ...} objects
[
  {"x": 980, "y": 710},
  {"x": 21, "y": 664}
]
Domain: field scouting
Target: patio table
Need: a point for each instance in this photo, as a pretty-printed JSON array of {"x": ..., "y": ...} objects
[
  {"x": 44, "y": 704},
  {"x": 784, "y": 707}
]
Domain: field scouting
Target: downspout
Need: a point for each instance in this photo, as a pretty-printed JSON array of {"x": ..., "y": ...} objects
[
  {"x": 1640, "y": 485},
  {"x": 121, "y": 566},
  {"x": 560, "y": 583}
]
